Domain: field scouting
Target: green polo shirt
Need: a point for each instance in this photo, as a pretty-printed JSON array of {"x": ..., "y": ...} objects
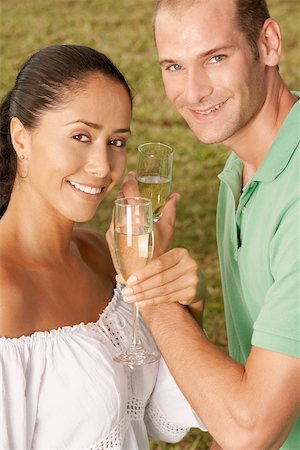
[{"x": 258, "y": 234}]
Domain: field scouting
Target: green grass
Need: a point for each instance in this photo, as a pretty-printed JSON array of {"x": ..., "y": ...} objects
[{"x": 122, "y": 30}]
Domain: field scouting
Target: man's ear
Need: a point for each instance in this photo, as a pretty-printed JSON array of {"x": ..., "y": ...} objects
[
  {"x": 270, "y": 43},
  {"x": 19, "y": 137}
]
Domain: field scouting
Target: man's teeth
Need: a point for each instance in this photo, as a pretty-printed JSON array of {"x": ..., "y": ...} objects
[
  {"x": 215, "y": 108},
  {"x": 87, "y": 189}
]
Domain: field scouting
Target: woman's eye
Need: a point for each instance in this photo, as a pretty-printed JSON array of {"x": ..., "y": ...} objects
[
  {"x": 217, "y": 59},
  {"x": 81, "y": 138},
  {"x": 117, "y": 142},
  {"x": 174, "y": 68}
]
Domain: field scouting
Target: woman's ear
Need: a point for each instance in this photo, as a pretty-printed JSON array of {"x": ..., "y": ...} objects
[
  {"x": 19, "y": 137},
  {"x": 270, "y": 43}
]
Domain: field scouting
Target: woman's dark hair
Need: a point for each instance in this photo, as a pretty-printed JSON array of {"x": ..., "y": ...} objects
[{"x": 41, "y": 85}]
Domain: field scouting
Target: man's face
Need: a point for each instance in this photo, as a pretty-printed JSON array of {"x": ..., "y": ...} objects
[{"x": 208, "y": 69}]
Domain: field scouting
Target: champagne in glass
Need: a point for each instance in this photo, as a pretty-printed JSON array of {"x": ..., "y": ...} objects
[
  {"x": 133, "y": 224},
  {"x": 154, "y": 169}
]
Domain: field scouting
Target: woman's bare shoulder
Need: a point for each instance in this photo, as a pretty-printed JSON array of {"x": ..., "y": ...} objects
[
  {"x": 13, "y": 308},
  {"x": 94, "y": 250},
  {"x": 90, "y": 241}
]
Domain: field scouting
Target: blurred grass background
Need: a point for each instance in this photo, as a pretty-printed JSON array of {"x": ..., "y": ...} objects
[{"x": 122, "y": 29}]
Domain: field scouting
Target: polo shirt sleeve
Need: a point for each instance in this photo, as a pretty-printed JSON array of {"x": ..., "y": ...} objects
[{"x": 277, "y": 326}]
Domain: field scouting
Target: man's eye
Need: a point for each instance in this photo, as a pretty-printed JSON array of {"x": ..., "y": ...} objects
[
  {"x": 81, "y": 138},
  {"x": 174, "y": 67},
  {"x": 117, "y": 142},
  {"x": 217, "y": 59}
]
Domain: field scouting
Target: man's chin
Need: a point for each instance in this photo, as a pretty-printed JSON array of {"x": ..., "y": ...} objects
[
  {"x": 210, "y": 138},
  {"x": 209, "y": 132}
]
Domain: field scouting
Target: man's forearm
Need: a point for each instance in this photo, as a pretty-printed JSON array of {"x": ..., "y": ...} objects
[
  {"x": 196, "y": 310},
  {"x": 228, "y": 398},
  {"x": 199, "y": 360}
]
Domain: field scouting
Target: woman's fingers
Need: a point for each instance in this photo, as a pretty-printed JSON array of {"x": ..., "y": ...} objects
[
  {"x": 130, "y": 186},
  {"x": 110, "y": 238},
  {"x": 110, "y": 241},
  {"x": 164, "y": 228}
]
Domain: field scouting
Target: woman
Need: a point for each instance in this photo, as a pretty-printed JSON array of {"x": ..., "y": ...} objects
[{"x": 64, "y": 128}]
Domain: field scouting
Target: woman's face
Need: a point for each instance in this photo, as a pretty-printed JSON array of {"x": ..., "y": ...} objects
[{"x": 78, "y": 151}]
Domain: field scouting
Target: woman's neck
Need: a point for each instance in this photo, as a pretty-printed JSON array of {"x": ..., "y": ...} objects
[{"x": 34, "y": 233}]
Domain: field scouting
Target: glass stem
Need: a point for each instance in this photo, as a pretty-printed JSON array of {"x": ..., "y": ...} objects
[{"x": 135, "y": 328}]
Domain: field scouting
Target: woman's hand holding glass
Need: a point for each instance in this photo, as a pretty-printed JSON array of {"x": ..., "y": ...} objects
[{"x": 172, "y": 275}]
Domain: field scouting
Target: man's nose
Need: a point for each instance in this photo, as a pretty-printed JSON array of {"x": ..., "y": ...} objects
[
  {"x": 98, "y": 162},
  {"x": 197, "y": 86}
]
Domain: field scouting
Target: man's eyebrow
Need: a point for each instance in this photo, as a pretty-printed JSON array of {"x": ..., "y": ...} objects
[
  {"x": 166, "y": 61},
  {"x": 200, "y": 55},
  {"x": 217, "y": 50},
  {"x": 96, "y": 126},
  {"x": 123, "y": 130}
]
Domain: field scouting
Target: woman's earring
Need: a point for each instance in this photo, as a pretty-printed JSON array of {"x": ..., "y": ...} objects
[{"x": 22, "y": 168}]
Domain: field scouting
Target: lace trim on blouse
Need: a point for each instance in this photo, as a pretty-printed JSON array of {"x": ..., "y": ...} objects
[
  {"x": 114, "y": 440},
  {"x": 136, "y": 408},
  {"x": 103, "y": 324},
  {"x": 160, "y": 422}
]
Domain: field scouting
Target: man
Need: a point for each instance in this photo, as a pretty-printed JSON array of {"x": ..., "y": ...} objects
[{"x": 219, "y": 64}]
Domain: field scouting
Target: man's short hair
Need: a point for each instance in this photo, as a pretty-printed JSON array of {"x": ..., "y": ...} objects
[{"x": 250, "y": 14}]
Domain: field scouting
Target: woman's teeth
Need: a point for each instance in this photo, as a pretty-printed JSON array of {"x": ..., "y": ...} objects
[{"x": 87, "y": 189}]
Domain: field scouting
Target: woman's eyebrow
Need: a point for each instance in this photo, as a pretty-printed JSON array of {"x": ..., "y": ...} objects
[
  {"x": 89, "y": 124},
  {"x": 96, "y": 126}
]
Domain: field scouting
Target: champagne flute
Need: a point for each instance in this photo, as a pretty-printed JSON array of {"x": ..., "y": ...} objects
[
  {"x": 133, "y": 225},
  {"x": 154, "y": 170}
]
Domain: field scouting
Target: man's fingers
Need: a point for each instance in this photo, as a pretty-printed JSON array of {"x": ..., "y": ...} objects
[
  {"x": 177, "y": 297},
  {"x": 162, "y": 263},
  {"x": 171, "y": 277},
  {"x": 169, "y": 291},
  {"x": 154, "y": 267},
  {"x": 168, "y": 280}
]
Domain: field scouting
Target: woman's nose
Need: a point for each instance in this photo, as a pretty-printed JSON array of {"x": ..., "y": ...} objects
[{"x": 98, "y": 162}]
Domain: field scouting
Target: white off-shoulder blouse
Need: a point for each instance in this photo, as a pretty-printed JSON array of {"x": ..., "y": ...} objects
[{"x": 62, "y": 390}]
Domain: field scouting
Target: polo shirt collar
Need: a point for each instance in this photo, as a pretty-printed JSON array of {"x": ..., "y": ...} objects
[
  {"x": 277, "y": 157},
  {"x": 282, "y": 148}
]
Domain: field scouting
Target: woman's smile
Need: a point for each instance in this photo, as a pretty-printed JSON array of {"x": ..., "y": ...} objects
[{"x": 85, "y": 188}]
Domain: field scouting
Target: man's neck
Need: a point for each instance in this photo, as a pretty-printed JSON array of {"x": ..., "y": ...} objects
[{"x": 252, "y": 143}]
